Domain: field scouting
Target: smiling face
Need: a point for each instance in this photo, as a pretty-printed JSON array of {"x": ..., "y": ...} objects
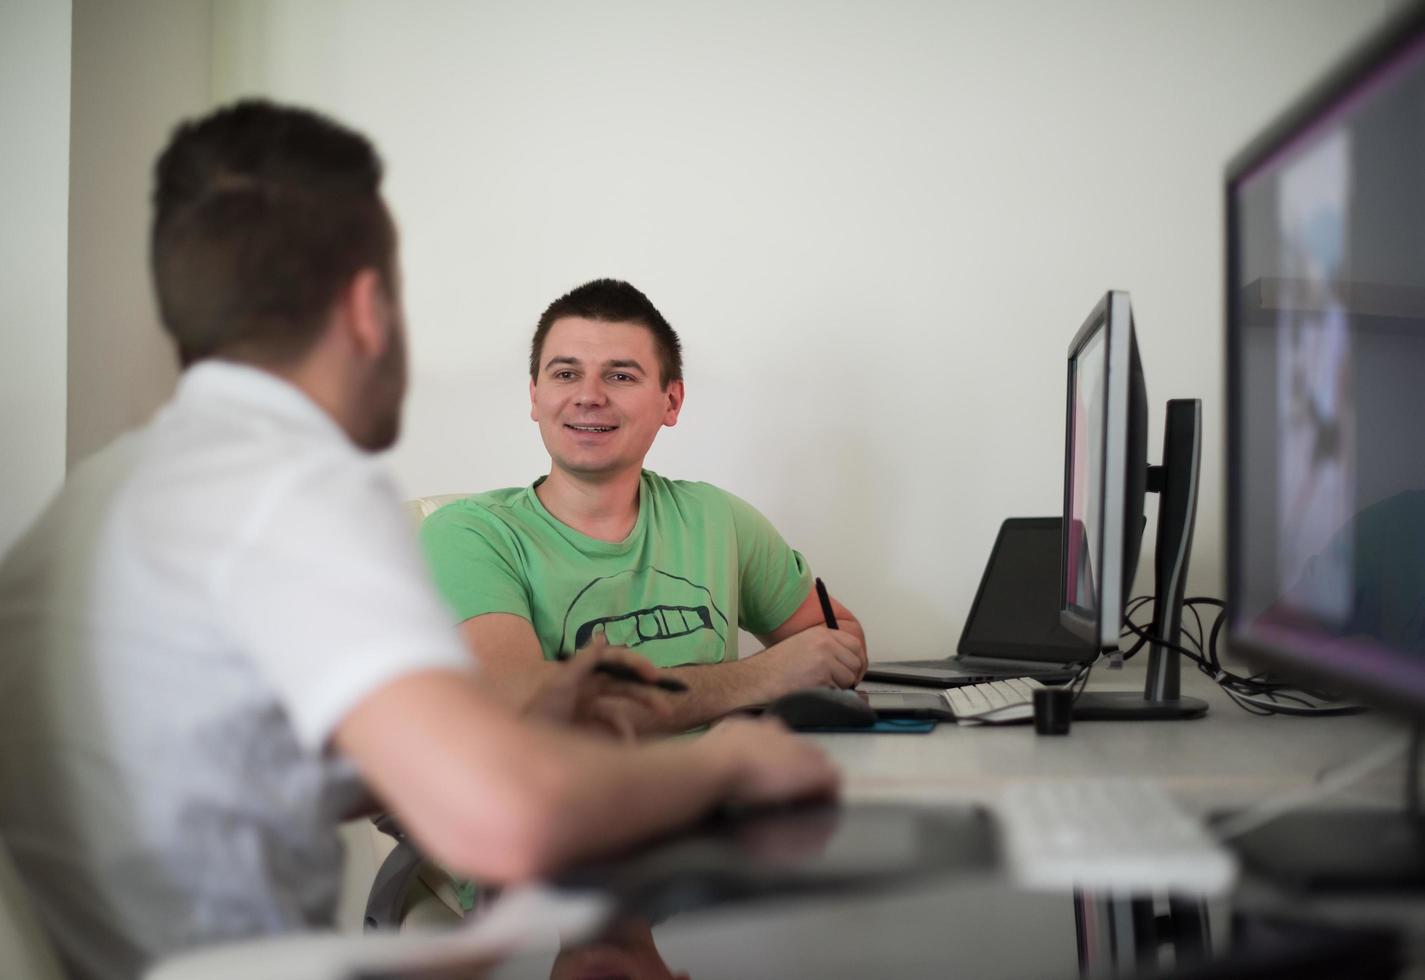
[{"x": 598, "y": 397}]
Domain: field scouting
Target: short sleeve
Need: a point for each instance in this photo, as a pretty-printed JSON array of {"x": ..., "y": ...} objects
[
  {"x": 773, "y": 580},
  {"x": 473, "y": 563},
  {"x": 327, "y": 591}
]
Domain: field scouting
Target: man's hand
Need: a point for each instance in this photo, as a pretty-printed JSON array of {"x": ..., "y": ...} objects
[
  {"x": 816, "y": 657},
  {"x": 574, "y": 694},
  {"x": 769, "y": 764}
]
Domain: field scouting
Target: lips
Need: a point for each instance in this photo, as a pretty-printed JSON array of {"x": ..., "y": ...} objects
[{"x": 591, "y": 428}]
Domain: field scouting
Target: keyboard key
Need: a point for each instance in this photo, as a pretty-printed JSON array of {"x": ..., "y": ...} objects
[{"x": 1006, "y": 700}]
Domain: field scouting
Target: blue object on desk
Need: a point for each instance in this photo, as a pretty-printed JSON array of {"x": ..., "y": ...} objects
[{"x": 886, "y": 726}]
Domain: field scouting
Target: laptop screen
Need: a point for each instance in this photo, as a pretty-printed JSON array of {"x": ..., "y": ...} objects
[{"x": 1016, "y": 612}]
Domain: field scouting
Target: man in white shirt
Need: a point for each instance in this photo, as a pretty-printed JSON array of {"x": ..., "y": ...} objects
[{"x": 221, "y": 632}]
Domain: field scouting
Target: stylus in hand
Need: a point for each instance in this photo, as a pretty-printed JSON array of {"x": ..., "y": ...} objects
[
  {"x": 825, "y": 600},
  {"x": 622, "y": 672}
]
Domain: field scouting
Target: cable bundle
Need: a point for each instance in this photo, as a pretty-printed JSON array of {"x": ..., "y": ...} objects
[{"x": 1255, "y": 693}]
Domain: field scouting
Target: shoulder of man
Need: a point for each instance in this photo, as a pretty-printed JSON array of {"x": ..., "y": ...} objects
[
  {"x": 707, "y": 496},
  {"x": 492, "y": 527},
  {"x": 489, "y": 509},
  {"x": 694, "y": 492}
]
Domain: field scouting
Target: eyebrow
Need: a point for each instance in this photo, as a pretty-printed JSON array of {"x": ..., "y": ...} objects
[
  {"x": 575, "y": 362},
  {"x": 628, "y": 363}
]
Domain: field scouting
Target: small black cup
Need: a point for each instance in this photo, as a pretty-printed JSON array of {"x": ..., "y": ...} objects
[{"x": 1052, "y": 709}]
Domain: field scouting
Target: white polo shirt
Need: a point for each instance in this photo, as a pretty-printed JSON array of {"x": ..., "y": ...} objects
[{"x": 180, "y": 634}]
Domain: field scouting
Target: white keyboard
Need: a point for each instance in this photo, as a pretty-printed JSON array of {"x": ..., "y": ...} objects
[
  {"x": 1117, "y": 835},
  {"x": 1007, "y": 700}
]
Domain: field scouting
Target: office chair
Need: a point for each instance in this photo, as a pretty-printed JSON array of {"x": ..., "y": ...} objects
[
  {"x": 24, "y": 948},
  {"x": 391, "y": 901}
]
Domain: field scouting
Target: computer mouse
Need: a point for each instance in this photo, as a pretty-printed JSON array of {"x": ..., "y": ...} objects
[{"x": 822, "y": 707}]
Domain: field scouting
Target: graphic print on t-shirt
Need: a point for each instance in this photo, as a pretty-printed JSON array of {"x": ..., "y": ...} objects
[{"x": 679, "y": 610}]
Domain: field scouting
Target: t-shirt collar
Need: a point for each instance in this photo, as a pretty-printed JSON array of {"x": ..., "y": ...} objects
[{"x": 593, "y": 545}]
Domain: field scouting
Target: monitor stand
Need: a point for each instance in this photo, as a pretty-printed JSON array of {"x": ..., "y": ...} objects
[{"x": 1175, "y": 483}]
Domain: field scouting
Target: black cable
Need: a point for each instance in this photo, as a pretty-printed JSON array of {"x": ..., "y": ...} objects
[
  {"x": 1212, "y": 640},
  {"x": 1290, "y": 698},
  {"x": 1206, "y": 600},
  {"x": 1200, "y": 635},
  {"x": 1240, "y": 688},
  {"x": 1082, "y": 680},
  {"x": 1257, "y": 681},
  {"x": 1132, "y": 607},
  {"x": 1248, "y": 693},
  {"x": 1147, "y": 637},
  {"x": 1247, "y": 706}
]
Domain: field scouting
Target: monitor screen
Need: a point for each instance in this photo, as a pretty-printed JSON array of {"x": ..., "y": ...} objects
[
  {"x": 1326, "y": 381},
  {"x": 1105, "y": 472},
  {"x": 1088, "y": 406}
]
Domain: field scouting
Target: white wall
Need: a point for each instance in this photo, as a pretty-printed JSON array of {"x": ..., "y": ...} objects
[
  {"x": 876, "y": 226},
  {"x": 34, "y": 192},
  {"x": 139, "y": 67}
]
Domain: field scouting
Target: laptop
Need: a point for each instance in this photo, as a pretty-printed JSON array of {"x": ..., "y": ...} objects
[{"x": 1013, "y": 628}]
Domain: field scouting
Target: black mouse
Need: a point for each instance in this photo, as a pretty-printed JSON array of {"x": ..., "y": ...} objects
[{"x": 823, "y": 707}]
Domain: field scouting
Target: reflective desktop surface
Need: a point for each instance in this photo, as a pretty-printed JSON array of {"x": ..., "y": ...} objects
[
  {"x": 971, "y": 928},
  {"x": 882, "y": 891},
  {"x": 876, "y": 903}
]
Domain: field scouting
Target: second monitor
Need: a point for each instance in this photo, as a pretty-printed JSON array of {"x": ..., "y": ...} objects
[{"x": 1106, "y": 479}]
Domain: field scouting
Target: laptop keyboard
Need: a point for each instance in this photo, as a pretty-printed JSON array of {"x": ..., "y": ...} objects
[{"x": 1006, "y": 700}]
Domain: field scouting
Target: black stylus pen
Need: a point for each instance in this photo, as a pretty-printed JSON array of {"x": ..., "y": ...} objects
[
  {"x": 826, "y": 612},
  {"x": 621, "y": 672}
]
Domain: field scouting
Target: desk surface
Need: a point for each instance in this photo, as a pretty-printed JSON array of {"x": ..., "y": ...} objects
[
  {"x": 1227, "y": 758},
  {"x": 973, "y": 927},
  {"x": 977, "y": 927}
]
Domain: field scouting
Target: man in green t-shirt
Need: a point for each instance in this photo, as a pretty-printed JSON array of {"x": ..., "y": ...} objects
[{"x": 669, "y": 568}]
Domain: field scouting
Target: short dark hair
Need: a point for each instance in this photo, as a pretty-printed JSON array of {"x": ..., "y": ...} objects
[
  {"x": 612, "y": 301},
  {"x": 262, "y": 214}
]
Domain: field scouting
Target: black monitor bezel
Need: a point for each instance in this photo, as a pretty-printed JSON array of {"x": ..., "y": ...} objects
[
  {"x": 1390, "y": 42},
  {"x": 1114, "y": 315}
]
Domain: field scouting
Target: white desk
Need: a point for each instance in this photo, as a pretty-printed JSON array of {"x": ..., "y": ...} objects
[{"x": 1228, "y": 758}]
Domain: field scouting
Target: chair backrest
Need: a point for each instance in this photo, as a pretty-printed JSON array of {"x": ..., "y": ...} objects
[
  {"x": 422, "y": 507},
  {"x": 24, "y": 948}
]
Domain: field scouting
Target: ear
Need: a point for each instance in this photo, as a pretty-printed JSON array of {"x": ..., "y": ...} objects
[
  {"x": 533, "y": 408},
  {"x": 367, "y": 314},
  {"x": 674, "y": 395}
]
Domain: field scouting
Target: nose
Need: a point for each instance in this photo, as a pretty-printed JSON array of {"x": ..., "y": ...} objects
[{"x": 591, "y": 392}]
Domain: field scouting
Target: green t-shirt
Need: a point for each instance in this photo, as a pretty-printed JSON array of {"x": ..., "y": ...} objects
[{"x": 698, "y": 564}]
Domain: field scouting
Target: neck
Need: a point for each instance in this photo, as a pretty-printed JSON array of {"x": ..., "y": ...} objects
[
  {"x": 324, "y": 388},
  {"x": 605, "y": 510}
]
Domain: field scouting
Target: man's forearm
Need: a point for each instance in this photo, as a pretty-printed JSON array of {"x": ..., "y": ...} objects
[
  {"x": 604, "y": 796},
  {"x": 514, "y": 684},
  {"x": 715, "y": 690},
  {"x": 492, "y": 796},
  {"x": 617, "y": 796}
]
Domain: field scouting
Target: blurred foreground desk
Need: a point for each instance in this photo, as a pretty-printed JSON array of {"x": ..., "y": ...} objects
[{"x": 972, "y": 924}]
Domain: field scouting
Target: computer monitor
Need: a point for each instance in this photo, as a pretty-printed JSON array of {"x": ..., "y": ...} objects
[
  {"x": 1106, "y": 479},
  {"x": 1326, "y": 382},
  {"x": 1105, "y": 472},
  {"x": 1325, "y": 345}
]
